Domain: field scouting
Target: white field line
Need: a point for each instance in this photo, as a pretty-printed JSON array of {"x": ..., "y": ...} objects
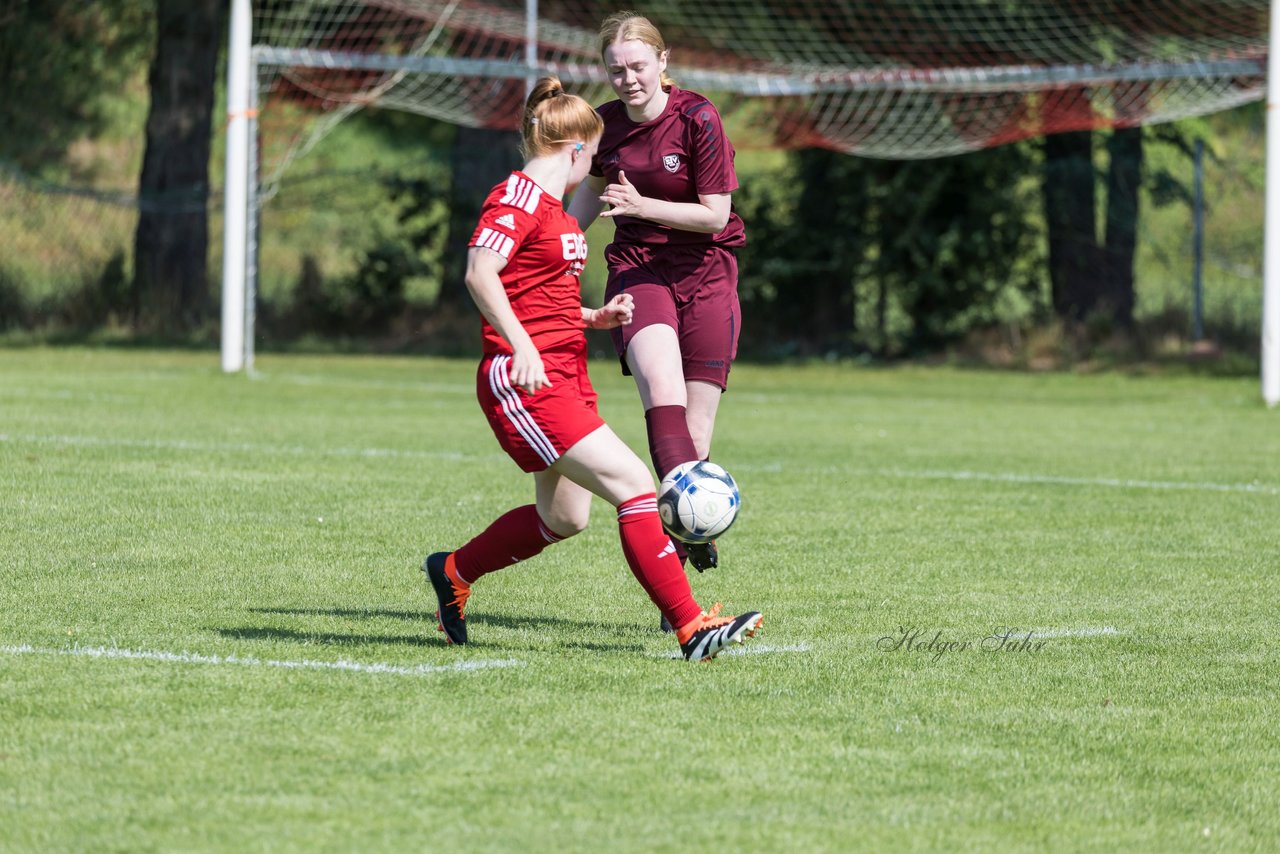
[
  {"x": 244, "y": 661},
  {"x": 63, "y": 394},
  {"x": 1118, "y": 483},
  {"x": 247, "y": 447},
  {"x": 748, "y": 649},
  {"x": 401, "y": 453}
]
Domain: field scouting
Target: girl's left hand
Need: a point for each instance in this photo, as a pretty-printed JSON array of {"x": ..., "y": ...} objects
[
  {"x": 616, "y": 312},
  {"x": 624, "y": 199}
]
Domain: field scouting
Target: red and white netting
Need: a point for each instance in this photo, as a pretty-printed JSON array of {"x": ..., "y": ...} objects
[{"x": 878, "y": 78}]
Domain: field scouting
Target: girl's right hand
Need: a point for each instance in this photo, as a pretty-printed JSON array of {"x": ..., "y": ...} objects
[{"x": 527, "y": 372}]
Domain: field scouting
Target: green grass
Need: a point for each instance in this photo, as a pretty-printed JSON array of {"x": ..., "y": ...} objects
[{"x": 152, "y": 504}]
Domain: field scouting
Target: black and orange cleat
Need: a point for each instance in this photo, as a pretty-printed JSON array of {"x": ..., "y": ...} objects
[
  {"x": 709, "y": 635},
  {"x": 451, "y": 596}
]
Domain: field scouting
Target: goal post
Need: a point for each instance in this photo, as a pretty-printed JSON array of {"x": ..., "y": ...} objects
[
  {"x": 235, "y": 258},
  {"x": 892, "y": 80},
  {"x": 1271, "y": 233}
]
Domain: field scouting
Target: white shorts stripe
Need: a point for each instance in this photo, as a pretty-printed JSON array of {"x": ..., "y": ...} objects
[{"x": 500, "y": 385}]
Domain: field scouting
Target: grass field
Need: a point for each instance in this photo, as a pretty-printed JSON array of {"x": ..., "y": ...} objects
[{"x": 215, "y": 634}]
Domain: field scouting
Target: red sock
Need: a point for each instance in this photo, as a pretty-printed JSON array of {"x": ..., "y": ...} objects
[
  {"x": 652, "y": 557},
  {"x": 669, "y": 441},
  {"x": 516, "y": 536}
]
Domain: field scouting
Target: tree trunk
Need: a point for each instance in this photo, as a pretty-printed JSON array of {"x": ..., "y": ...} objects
[
  {"x": 481, "y": 158},
  {"x": 171, "y": 244},
  {"x": 1069, "y": 200},
  {"x": 1124, "y": 177}
]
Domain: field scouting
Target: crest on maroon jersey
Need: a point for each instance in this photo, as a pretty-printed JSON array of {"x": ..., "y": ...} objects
[{"x": 671, "y": 161}]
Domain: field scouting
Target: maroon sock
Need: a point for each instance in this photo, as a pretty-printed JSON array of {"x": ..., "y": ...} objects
[
  {"x": 669, "y": 445},
  {"x": 652, "y": 558},
  {"x": 669, "y": 441},
  {"x": 518, "y": 535}
]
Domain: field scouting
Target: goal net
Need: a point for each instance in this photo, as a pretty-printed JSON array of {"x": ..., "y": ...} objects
[
  {"x": 877, "y": 78},
  {"x": 899, "y": 79}
]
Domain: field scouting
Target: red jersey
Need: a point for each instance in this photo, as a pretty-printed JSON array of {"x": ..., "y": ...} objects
[
  {"x": 676, "y": 157},
  {"x": 545, "y": 253}
]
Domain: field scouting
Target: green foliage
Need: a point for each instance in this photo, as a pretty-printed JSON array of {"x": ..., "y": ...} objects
[
  {"x": 100, "y": 302},
  {"x": 1234, "y": 182},
  {"x": 63, "y": 67},
  {"x": 376, "y": 293},
  {"x": 845, "y": 255},
  {"x": 852, "y": 254},
  {"x": 355, "y": 235},
  {"x": 1164, "y": 185},
  {"x": 71, "y": 132},
  {"x": 423, "y": 220},
  {"x": 958, "y": 244},
  {"x": 13, "y": 307}
]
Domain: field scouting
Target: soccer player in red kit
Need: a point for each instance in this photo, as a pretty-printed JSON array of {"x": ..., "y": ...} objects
[
  {"x": 665, "y": 168},
  {"x": 522, "y": 270}
]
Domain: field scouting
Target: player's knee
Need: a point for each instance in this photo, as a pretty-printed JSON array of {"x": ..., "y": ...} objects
[
  {"x": 637, "y": 481},
  {"x": 569, "y": 523},
  {"x": 662, "y": 383},
  {"x": 665, "y": 390}
]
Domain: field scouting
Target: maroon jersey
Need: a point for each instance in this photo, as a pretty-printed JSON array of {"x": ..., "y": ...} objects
[
  {"x": 676, "y": 157},
  {"x": 545, "y": 252}
]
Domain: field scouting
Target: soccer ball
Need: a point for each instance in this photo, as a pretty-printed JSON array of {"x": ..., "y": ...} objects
[{"x": 698, "y": 501}]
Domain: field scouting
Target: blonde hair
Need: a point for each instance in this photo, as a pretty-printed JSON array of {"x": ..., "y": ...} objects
[
  {"x": 632, "y": 26},
  {"x": 552, "y": 117}
]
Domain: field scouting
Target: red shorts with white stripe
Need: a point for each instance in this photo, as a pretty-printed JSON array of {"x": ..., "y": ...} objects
[{"x": 536, "y": 429}]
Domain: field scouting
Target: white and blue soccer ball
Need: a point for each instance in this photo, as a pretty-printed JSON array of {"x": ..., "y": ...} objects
[{"x": 698, "y": 501}]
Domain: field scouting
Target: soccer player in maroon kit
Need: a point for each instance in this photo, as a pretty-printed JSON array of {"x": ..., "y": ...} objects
[
  {"x": 665, "y": 168},
  {"x": 522, "y": 270}
]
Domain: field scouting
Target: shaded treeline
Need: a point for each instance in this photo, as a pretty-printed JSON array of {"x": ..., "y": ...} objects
[{"x": 845, "y": 255}]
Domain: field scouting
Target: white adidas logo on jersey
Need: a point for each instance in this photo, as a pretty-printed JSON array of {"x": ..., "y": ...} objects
[{"x": 506, "y": 221}]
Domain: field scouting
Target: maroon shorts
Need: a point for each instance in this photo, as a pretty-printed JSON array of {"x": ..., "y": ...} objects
[
  {"x": 535, "y": 429},
  {"x": 692, "y": 289}
]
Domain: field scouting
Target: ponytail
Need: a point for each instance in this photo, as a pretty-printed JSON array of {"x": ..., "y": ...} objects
[{"x": 552, "y": 116}]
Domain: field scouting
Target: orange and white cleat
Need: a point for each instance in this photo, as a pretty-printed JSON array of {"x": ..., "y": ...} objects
[{"x": 709, "y": 635}]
